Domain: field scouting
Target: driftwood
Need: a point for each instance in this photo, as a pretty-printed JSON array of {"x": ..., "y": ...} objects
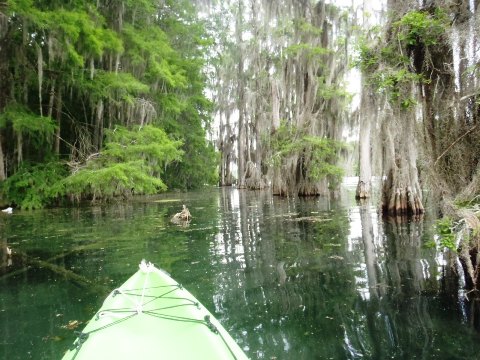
[{"x": 182, "y": 218}]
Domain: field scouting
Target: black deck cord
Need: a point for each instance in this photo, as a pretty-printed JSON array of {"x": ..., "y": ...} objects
[
  {"x": 206, "y": 321},
  {"x": 215, "y": 330},
  {"x": 132, "y": 292},
  {"x": 82, "y": 337},
  {"x": 152, "y": 298}
]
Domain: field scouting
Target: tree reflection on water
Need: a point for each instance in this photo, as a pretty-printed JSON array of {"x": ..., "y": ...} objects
[
  {"x": 290, "y": 278},
  {"x": 315, "y": 279}
]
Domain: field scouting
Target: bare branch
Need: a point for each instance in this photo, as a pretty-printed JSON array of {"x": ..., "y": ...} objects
[{"x": 453, "y": 144}]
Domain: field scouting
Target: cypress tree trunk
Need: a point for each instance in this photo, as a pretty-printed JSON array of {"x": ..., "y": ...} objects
[
  {"x": 254, "y": 178},
  {"x": 19, "y": 148},
  {"x": 58, "y": 118},
  {"x": 3, "y": 174},
  {"x": 241, "y": 139},
  {"x": 40, "y": 77},
  {"x": 226, "y": 149},
  {"x": 284, "y": 77},
  {"x": 51, "y": 99},
  {"x": 98, "y": 127},
  {"x": 5, "y": 85},
  {"x": 366, "y": 118},
  {"x": 401, "y": 191}
]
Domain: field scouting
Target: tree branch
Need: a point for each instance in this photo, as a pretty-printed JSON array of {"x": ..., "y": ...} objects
[{"x": 453, "y": 144}]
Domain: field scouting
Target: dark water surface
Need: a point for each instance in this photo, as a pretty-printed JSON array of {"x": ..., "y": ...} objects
[{"x": 289, "y": 278}]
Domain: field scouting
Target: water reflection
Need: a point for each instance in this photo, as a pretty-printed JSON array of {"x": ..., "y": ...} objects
[
  {"x": 323, "y": 274},
  {"x": 290, "y": 278}
]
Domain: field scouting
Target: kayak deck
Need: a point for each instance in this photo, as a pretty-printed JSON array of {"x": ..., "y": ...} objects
[{"x": 153, "y": 317}]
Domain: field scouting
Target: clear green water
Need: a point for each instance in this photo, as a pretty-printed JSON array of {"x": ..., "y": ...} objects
[{"x": 289, "y": 278}]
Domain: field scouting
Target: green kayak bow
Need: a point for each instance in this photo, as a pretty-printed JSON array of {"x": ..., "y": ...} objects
[{"x": 151, "y": 316}]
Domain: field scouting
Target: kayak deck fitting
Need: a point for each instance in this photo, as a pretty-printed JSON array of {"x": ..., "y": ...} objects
[{"x": 151, "y": 316}]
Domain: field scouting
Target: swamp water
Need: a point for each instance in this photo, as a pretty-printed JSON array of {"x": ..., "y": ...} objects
[{"x": 288, "y": 278}]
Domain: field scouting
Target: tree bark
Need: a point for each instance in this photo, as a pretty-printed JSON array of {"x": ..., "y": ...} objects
[
  {"x": 3, "y": 174},
  {"x": 58, "y": 118},
  {"x": 19, "y": 148},
  {"x": 275, "y": 106},
  {"x": 40, "y": 76},
  {"x": 241, "y": 139},
  {"x": 226, "y": 149},
  {"x": 51, "y": 99},
  {"x": 401, "y": 193},
  {"x": 365, "y": 177},
  {"x": 98, "y": 128}
]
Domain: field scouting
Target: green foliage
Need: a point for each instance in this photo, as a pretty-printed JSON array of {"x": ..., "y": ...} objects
[
  {"x": 367, "y": 58},
  {"x": 470, "y": 202},
  {"x": 388, "y": 68},
  {"x": 143, "y": 10},
  {"x": 148, "y": 143},
  {"x": 131, "y": 163},
  {"x": 446, "y": 234},
  {"x": 185, "y": 112},
  {"x": 149, "y": 48},
  {"x": 324, "y": 156},
  {"x": 116, "y": 87},
  {"x": 390, "y": 55},
  {"x": 306, "y": 50},
  {"x": 34, "y": 186},
  {"x": 319, "y": 155},
  {"x": 306, "y": 28},
  {"x": 81, "y": 30},
  {"x": 397, "y": 85},
  {"x": 111, "y": 180},
  {"x": 199, "y": 163},
  {"x": 26, "y": 122},
  {"x": 196, "y": 170},
  {"x": 283, "y": 143},
  {"x": 26, "y": 10},
  {"x": 328, "y": 92},
  {"x": 153, "y": 53},
  {"x": 420, "y": 27},
  {"x": 23, "y": 121}
]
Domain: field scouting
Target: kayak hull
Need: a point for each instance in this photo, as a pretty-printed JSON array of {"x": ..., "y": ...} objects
[{"x": 151, "y": 316}]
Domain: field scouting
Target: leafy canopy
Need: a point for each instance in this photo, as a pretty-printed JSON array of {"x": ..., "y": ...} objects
[
  {"x": 131, "y": 163},
  {"x": 98, "y": 68}
]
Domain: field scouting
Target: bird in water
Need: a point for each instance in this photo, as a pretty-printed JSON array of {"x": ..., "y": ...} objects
[
  {"x": 8, "y": 210},
  {"x": 182, "y": 217}
]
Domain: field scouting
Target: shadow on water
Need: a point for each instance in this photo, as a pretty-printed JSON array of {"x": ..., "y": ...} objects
[{"x": 289, "y": 278}]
